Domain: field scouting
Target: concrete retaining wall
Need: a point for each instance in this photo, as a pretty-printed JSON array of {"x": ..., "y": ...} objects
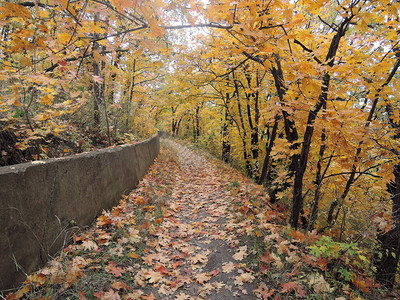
[{"x": 38, "y": 201}]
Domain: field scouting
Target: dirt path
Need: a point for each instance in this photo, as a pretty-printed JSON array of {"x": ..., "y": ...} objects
[
  {"x": 201, "y": 238},
  {"x": 183, "y": 233}
]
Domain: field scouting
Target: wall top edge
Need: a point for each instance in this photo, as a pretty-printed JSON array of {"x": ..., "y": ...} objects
[{"x": 18, "y": 168}]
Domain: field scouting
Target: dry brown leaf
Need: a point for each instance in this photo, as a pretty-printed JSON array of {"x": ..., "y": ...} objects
[
  {"x": 228, "y": 267},
  {"x": 202, "y": 277},
  {"x": 241, "y": 254}
]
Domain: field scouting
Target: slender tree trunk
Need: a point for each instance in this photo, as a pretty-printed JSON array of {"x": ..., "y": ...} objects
[
  {"x": 244, "y": 132},
  {"x": 174, "y": 121},
  {"x": 290, "y": 127},
  {"x": 104, "y": 101},
  {"x": 96, "y": 90},
  {"x": 269, "y": 146},
  {"x": 318, "y": 180},
  {"x": 179, "y": 124},
  {"x": 253, "y": 128},
  {"x": 197, "y": 118},
  {"x": 226, "y": 144},
  {"x": 129, "y": 99}
]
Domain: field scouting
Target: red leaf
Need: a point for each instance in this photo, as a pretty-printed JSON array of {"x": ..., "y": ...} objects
[
  {"x": 290, "y": 286},
  {"x": 82, "y": 296},
  {"x": 113, "y": 269},
  {"x": 161, "y": 269}
]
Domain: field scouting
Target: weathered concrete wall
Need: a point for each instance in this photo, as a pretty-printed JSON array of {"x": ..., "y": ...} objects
[{"x": 39, "y": 200}]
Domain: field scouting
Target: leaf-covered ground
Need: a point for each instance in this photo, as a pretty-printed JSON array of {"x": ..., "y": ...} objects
[{"x": 197, "y": 229}]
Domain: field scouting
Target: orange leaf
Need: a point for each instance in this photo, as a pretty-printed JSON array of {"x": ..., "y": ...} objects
[
  {"x": 103, "y": 220},
  {"x": 113, "y": 269},
  {"x": 118, "y": 285},
  {"x": 297, "y": 235},
  {"x": 150, "y": 297}
]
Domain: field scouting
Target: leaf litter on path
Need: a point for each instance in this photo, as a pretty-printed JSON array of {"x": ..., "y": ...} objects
[{"x": 178, "y": 235}]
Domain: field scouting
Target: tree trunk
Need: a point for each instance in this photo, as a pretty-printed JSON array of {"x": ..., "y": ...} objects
[
  {"x": 386, "y": 259},
  {"x": 269, "y": 146},
  {"x": 129, "y": 99},
  {"x": 249, "y": 171},
  {"x": 289, "y": 125},
  {"x": 96, "y": 90},
  {"x": 253, "y": 127},
  {"x": 297, "y": 200},
  {"x": 318, "y": 179},
  {"x": 226, "y": 144}
]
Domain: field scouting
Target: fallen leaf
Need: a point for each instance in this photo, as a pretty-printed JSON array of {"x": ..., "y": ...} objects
[
  {"x": 152, "y": 276},
  {"x": 110, "y": 295},
  {"x": 113, "y": 269},
  {"x": 119, "y": 285},
  {"x": 244, "y": 277},
  {"x": 150, "y": 297},
  {"x": 182, "y": 296},
  {"x": 228, "y": 267},
  {"x": 319, "y": 284},
  {"x": 290, "y": 286},
  {"x": 89, "y": 245},
  {"x": 202, "y": 277},
  {"x": 241, "y": 254}
]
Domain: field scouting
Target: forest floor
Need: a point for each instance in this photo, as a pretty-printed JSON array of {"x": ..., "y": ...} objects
[{"x": 194, "y": 228}]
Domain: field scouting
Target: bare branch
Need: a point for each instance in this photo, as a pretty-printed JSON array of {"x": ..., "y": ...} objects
[
  {"x": 327, "y": 24},
  {"x": 296, "y": 41}
]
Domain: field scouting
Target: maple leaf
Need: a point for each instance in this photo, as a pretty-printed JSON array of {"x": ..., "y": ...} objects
[
  {"x": 77, "y": 261},
  {"x": 103, "y": 220},
  {"x": 72, "y": 275},
  {"x": 241, "y": 254},
  {"x": 89, "y": 245},
  {"x": 290, "y": 286},
  {"x": 182, "y": 296},
  {"x": 133, "y": 295},
  {"x": 244, "y": 277},
  {"x": 152, "y": 276},
  {"x": 199, "y": 258},
  {"x": 118, "y": 285},
  {"x": 228, "y": 267},
  {"x": 266, "y": 293},
  {"x": 202, "y": 277},
  {"x": 113, "y": 269},
  {"x": 134, "y": 235},
  {"x": 161, "y": 269},
  {"x": 110, "y": 295},
  {"x": 319, "y": 284}
]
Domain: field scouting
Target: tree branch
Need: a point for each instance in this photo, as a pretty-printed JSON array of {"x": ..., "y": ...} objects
[
  {"x": 296, "y": 41},
  {"x": 327, "y": 24}
]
